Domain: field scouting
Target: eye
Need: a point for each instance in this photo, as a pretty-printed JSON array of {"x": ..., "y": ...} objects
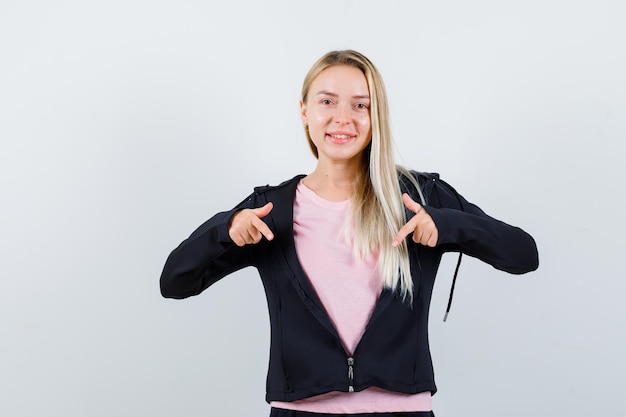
[
  {"x": 326, "y": 101},
  {"x": 361, "y": 106}
]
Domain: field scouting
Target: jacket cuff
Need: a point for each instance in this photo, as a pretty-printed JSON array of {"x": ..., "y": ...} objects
[{"x": 443, "y": 226}]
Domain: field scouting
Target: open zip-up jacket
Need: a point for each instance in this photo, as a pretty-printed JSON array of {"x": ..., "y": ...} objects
[{"x": 307, "y": 357}]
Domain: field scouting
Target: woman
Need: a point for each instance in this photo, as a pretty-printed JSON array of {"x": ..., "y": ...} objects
[{"x": 348, "y": 291}]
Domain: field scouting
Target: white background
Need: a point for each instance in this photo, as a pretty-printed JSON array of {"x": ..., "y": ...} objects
[{"x": 126, "y": 124}]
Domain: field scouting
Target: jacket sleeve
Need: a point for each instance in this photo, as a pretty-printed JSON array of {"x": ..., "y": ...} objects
[
  {"x": 206, "y": 256},
  {"x": 462, "y": 226}
]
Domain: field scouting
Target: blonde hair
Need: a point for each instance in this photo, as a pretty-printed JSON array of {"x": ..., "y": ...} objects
[{"x": 377, "y": 210}]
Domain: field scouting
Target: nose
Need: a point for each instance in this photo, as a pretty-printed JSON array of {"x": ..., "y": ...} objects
[{"x": 342, "y": 114}]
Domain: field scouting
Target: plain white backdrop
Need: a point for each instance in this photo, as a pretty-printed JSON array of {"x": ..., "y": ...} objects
[{"x": 126, "y": 124}]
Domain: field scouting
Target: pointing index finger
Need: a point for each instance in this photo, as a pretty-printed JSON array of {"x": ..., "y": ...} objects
[
  {"x": 406, "y": 230},
  {"x": 262, "y": 227}
]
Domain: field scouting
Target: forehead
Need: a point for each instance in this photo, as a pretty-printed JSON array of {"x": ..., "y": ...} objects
[{"x": 341, "y": 79}]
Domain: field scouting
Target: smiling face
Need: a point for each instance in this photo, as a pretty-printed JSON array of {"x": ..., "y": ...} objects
[{"x": 337, "y": 113}]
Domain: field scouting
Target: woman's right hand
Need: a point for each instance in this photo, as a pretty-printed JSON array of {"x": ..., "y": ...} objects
[{"x": 246, "y": 226}]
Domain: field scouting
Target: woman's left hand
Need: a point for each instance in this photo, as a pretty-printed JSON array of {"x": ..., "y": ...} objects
[{"x": 421, "y": 225}]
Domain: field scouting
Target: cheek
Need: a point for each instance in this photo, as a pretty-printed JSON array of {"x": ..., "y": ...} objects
[
  {"x": 316, "y": 130},
  {"x": 319, "y": 120},
  {"x": 364, "y": 122}
]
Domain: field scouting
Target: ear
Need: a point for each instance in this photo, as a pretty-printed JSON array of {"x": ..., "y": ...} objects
[{"x": 305, "y": 119}]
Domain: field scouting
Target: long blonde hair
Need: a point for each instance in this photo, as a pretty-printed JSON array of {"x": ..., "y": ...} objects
[{"x": 377, "y": 211}]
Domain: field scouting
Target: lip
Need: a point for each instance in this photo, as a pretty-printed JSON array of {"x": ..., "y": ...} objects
[{"x": 340, "y": 137}]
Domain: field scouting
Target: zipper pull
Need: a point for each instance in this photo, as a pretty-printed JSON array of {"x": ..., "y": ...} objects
[{"x": 350, "y": 374}]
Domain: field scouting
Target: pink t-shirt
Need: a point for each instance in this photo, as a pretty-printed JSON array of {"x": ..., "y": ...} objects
[{"x": 348, "y": 287}]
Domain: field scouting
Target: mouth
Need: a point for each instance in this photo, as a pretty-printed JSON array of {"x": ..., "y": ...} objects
[{"x": 339, "y": 138}]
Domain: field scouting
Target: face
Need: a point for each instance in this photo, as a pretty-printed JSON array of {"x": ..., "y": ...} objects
[{"x": 337, "y": 113}]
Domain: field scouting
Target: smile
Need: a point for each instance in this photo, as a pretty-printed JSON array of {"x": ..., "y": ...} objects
[{"x": 340, "y": 139}]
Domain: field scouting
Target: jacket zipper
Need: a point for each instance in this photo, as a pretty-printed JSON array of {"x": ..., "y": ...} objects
[{"x": 350, "y": 374}]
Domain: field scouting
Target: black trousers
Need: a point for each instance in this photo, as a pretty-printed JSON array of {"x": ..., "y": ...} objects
[{"x": 279, "y": 412}]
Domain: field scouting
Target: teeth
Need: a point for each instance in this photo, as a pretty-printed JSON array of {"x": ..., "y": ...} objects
[{"x": 340, "y": 136}]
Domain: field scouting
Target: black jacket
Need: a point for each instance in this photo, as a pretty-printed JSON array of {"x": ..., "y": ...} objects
[{"x": 306, "y": 354}]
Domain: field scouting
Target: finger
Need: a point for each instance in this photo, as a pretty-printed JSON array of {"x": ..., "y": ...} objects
[
  {"x": 263, "y": 228},
  {"x": 426, "y": 236},
  {"x": 418, "y": 235},
  {"x": 254, "y": 236},
  {"x": 411, "y": 204},
  {"x": 432, "y": 240},
  {"x": 238, "y": 239},
  {"x": 404, "y": 231},
  {"x": 263, "y": 211},
  {"x": 243, "y": 235}
]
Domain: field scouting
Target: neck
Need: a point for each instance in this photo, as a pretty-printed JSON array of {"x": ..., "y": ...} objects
[{"x": 334, "y": 182}]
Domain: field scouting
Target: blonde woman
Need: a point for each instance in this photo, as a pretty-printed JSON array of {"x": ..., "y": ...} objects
[{"x": 348, "y": 256}]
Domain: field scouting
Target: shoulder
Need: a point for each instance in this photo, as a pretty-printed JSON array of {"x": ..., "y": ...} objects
[
  {"x": 416, "y": 183},
  {"x": 436, "y": 192},
  {"x": 408, "y": 176},
  {"x": 292, "y": 182}
]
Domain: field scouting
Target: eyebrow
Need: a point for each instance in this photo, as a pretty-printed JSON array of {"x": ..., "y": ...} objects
[{"x": 329, "y": 93}]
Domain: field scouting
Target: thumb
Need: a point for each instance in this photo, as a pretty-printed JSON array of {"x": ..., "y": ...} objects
[
  {"x": 263, "y": 211},
  {"x": 410, "y": 203}
]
